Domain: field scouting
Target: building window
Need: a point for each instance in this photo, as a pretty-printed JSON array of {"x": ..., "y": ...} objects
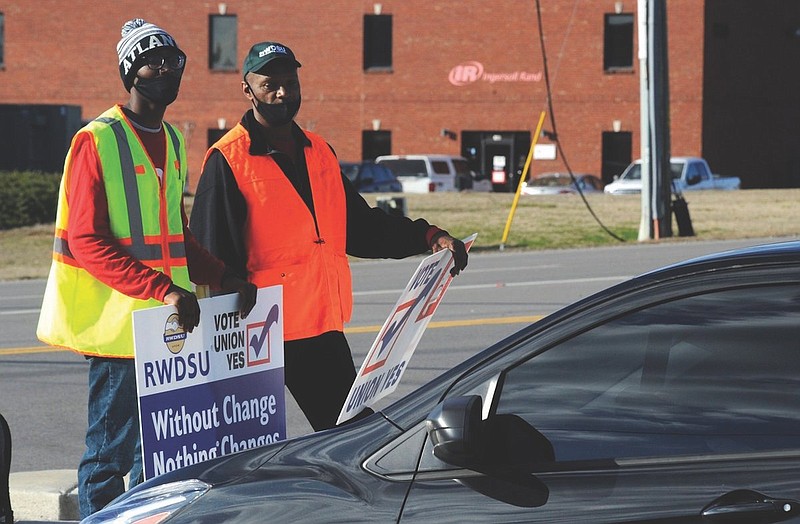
[
  {"x": 618, "y": 42},
  {"x": 375, "y": 144},
  {"x": 377, "y": 42},
  {"x": 222, "y": 42},
  {"x": 2, "y": 39}
]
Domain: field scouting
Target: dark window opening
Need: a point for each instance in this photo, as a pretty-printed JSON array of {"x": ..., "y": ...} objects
[
  {"x": 377, "y": 42},
  {"x": 213, "y": 135},
  {"x": 222, "y": 31},
  {"x": 618, "y": 42},
  {"x": 375, "y": 144}
]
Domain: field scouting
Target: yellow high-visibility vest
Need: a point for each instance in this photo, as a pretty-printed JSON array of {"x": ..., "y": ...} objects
[{"x": 78, "y": 311}]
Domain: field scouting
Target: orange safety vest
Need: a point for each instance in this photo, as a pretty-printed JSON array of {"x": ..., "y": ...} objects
[
  {"x": 78, "y": 311},
  {"x": 285, "y": 244}
]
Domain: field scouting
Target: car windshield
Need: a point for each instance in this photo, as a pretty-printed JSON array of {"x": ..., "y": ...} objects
[
  {"x": 551, "y": 181},
  {"x": 677, "y": 169},
  {"x": 635, "y": 172},
  {"x": 350, "y": 171},
  {"x": 405, "y": 167}
]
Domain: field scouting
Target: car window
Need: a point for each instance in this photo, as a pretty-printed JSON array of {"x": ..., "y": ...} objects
[
  {"x": 634, "y": 173},
  {"x": 368, "y": 171},
  {"x": 404, "y": 167},
  {"x": 695, "y": 171},
  {"x": 350, "y": 171},
  {"x": 676, "y": 168},
  {"x": 551, "y": 181},
  {"x": 593, "y": 182},
  {"x": 440, "y": 167},
  {"x": 707, "y": 374},
  {"x": 381, "y": 174}
]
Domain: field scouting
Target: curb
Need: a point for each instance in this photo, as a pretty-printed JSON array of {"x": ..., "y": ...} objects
[{"x": 44, "y": 495}]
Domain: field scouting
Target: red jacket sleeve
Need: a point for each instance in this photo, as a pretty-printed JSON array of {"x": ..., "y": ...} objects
[{"x": 90, "y": 239}]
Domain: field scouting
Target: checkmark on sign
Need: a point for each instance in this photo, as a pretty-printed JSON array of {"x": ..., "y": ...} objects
[{"x": 258, "y": 340}]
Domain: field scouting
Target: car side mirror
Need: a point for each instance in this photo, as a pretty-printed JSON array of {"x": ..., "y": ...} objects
[
  {"x": 454, "y": 428},
  {"x": 616, "y": 177},
  {"x": 504, "y": 448},
  {"x": 693, "y": 179}
]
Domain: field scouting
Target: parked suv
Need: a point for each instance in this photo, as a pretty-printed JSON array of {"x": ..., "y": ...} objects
[{"x": 428, "y": 173}]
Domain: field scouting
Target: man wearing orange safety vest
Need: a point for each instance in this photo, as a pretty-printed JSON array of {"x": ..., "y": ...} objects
[
  {"x": 273, "y": 204},
  {"x": 121, "y": 244}
]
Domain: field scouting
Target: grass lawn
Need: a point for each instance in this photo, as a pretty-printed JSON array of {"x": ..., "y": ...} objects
[{"x": 539, "y": 222}]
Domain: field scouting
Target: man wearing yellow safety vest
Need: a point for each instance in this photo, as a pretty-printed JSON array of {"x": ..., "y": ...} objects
[
  {"x": 122, "y": 244},
  {"x": 273, "y": 204}
]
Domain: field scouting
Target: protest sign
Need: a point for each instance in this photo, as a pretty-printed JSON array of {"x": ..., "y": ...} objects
[
  {"x": 387, "y": 359},
  {"x": 214, "y": 391}
]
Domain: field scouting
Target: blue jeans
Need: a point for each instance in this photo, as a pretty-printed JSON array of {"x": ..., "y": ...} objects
[{"x": 113, "y": 448}]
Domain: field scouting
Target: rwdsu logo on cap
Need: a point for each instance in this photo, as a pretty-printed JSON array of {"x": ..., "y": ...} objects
[{"x": 272, "y": 49}]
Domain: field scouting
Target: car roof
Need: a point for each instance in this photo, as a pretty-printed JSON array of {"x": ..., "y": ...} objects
[
  {"x": 674, "y": 159},
  {"x": 776, "y": 252}
]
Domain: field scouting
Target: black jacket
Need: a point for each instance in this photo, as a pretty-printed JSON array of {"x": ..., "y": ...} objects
[{"x": 219, "y": 211}]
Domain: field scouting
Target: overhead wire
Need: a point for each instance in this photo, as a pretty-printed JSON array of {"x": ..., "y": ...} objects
[{"x": 554, "y": 136}]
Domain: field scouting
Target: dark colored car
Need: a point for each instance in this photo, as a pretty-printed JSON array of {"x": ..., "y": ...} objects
[
  {"x": 672, "y": 397},
  {"x": 369, "y": 177}
]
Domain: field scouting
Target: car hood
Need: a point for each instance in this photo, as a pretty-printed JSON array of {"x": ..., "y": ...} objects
[
  {"x": 287, "y": 482},
  {"x": 624, "y": 186}
]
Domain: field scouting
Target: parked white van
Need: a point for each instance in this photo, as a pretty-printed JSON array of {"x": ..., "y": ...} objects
[{"x": 429, "y": 173}]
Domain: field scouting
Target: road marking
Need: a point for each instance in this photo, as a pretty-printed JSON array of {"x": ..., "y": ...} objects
[
  {"x": 354, "y": 330},
  {"x": 452, "y": 287},
  {"x": 456, "y": 323},
  {"x": 20, "y": 312},
  {"x": 30, "y": 350},
  {"x": 493, "y": 285}
]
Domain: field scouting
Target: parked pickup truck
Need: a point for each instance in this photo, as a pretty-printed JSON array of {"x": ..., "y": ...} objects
[{"x": 688, "y": 174}]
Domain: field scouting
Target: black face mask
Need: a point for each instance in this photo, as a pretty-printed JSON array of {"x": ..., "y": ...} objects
[
  {"x": 162, "y": 89},
  {"x": 277, "y": 115}
]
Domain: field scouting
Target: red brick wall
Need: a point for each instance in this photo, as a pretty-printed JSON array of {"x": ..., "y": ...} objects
[{"x": 64, "y": 53}]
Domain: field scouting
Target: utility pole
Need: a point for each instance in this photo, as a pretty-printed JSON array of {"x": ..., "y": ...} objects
[{"x": 656, "y": 218}]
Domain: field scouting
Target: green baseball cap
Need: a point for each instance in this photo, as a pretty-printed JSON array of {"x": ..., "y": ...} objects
[{"x": 263, "y": 53}]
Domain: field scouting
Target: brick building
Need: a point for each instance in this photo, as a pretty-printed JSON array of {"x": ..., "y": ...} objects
[{"x": 437, "y": 76}]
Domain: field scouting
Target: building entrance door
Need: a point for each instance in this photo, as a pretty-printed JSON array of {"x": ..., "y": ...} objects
[
  {"x": 497, "y": 155},
  {"x": 616, "y": 154}
]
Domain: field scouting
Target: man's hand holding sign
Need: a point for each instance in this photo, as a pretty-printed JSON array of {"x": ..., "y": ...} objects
[{"x": 388, "y": 357}]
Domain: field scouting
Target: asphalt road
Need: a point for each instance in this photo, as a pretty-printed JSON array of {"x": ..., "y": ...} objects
[{"x": 43, "y": 391}]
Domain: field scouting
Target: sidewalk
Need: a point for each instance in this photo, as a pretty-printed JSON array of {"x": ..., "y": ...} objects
[{"x": 44, "y": 496}]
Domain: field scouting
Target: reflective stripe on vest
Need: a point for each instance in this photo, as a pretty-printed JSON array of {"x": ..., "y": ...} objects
[
  {"x": 80, "y": 312},
  {"x": 285, "y": 245}
]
